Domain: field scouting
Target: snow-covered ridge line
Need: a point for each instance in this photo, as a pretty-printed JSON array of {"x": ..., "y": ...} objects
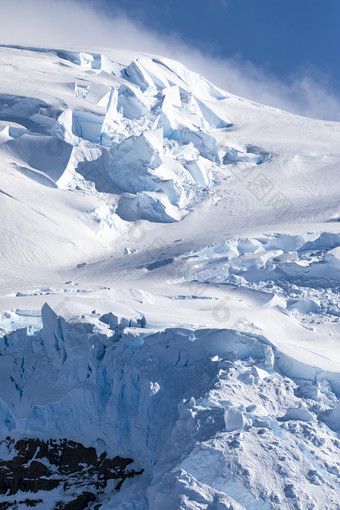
[
  {"x": 143, "y": 137},
  {"x": 137, "y": 129}
]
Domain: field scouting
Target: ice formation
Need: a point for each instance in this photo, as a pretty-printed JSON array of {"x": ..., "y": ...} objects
[{"x": 169, "y": 282}]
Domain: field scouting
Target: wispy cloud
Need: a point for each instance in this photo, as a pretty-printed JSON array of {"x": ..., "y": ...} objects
[{"x": 61, "y": 23}]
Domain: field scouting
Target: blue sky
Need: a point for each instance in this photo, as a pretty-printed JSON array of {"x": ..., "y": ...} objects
[
  {"x": 283, "y": 53},
  {"x": 282, "y": 36}
]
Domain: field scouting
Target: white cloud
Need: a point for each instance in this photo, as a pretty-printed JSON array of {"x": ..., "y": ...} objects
[{"x": 59, "y": 23}]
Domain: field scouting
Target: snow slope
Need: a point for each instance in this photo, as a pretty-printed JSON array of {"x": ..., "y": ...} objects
[{"x": 188, "y": 242}]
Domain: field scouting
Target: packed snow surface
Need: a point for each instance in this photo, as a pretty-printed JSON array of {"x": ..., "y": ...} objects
[{"x": 169, "y": 287}]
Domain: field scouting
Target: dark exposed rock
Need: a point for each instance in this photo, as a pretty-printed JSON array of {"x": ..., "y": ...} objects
[
  {"x": 32, "y": 502},
  {"x": 35, "y": 465},
  {"x": 5, "y": 506},
  {"x": 80, "y": 503},
  {"x": 29, "y": 503}
]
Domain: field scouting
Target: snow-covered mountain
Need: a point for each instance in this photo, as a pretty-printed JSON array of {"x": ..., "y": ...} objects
[{"x": 169, "y": 291}]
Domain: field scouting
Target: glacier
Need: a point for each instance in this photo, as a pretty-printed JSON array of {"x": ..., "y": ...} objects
[
  {"x": 169, "y": 290},
  {"x": 200, "y": 403}
]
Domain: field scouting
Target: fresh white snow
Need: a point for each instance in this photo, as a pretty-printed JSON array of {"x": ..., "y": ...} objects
[{"x": 169, "y": 286}]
